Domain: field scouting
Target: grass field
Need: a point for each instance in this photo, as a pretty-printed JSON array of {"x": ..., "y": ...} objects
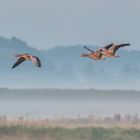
[
  {"x": 87, "y": 133},
  {"x": 67, "y": 129}
]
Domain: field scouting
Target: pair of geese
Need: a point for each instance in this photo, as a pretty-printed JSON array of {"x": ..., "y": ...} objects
[{"x": 108, "y": 51}]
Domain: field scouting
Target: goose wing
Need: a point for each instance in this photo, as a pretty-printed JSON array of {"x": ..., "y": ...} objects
[
  {"x": 36, "y": 61},
  {"x": 116, "y": 47},
  {"x": 106, "y": 47},
  {"x": 19, "y": 61},
  {"x": 88, "y": 49}
]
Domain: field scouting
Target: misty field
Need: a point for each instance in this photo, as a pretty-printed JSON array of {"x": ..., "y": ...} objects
[
  {"x": 42, "y": 133},
  {"x": 54, "y": 114}
]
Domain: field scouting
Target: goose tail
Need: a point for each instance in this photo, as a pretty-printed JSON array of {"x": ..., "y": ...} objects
[{"x": 84, "y": 55}]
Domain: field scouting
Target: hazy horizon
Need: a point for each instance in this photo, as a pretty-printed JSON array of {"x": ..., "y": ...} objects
[{"x": 62, "y": 67}]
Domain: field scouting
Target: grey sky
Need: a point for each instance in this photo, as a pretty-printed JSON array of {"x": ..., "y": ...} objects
[{"x": 48, "y": 23}]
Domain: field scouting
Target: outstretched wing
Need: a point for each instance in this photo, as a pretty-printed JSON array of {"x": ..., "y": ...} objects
[
  {"x": 19, "y": 61},
  {"x": 88, "y": 49},
  {"x": 116, "y": 47},
  {"x": 36, "y": 61},
  {"x": 106, "y": 47}
]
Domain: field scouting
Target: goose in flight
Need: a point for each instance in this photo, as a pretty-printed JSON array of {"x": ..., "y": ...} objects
[
  {"x": 22, "y": 57},
  {"x": 110, "y": 50},
  {"x": 96, "y": 55}
]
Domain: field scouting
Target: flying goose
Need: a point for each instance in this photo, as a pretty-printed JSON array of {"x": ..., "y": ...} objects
[
  {"x": 110, "y": 50},
  {"x": 96, "y": 55},
  {"x": 22, "y": 57}
]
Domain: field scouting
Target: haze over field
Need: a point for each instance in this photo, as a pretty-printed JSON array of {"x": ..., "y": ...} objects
[{"x": 51, "y": 103}]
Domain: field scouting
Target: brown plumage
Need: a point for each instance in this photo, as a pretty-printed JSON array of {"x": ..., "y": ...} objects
[
  {"x": 97, "y": 55},
  {"x": 22, "y": 57},
  {"x": 110, "y": 50}
]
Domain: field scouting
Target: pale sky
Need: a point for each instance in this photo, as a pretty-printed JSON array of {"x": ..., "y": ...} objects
[{"x": 47, "y": 23}]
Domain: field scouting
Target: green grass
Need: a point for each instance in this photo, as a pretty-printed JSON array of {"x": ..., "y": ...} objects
[{"x": 32, "y": 133}]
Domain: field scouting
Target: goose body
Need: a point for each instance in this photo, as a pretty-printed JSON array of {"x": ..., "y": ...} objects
[{"x": 97, "y": 55}]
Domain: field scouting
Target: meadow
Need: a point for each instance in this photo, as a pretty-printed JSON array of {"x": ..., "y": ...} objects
[
  {"x": 59, "y": 133},
  {"x": 68, "y": 129}
]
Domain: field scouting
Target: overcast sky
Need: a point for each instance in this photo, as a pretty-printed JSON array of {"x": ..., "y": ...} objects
[{"x": 47, "y": 23}]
